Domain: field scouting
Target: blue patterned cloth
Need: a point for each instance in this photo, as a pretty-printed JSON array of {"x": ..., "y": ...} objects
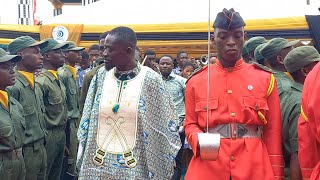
[
  {"x": 177, "y": 70},
  {"x": 176, "y": 85},
  {"x": 157, "y": 139},
  {"x": 80, "y": 75}
]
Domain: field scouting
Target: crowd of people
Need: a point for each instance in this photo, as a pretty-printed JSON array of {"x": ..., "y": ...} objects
[{"x": 110, "y": 113}]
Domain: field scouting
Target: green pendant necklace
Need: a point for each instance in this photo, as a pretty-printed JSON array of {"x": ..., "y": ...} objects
[{"x": 121, "y": 86}]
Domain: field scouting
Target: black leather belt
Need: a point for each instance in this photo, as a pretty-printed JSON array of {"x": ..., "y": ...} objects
[
  {"x": 53, "y": 128},
  {"x": 235, "y": 130},
  {"x": 36, "y": 145}
]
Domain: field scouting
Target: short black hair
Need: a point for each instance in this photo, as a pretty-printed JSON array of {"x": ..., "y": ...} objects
[
  {"x": 94, "y": 47},
  {"x": 186, "y": 64},
  {"x": 84, "y": 55},
  {"x": 103, "y": 35},
  {"x": 166, "y": 55},
  {"x": 149, "y": 52},
  {"x": 181, "y": 52},
  {"x": 125, "y": 34}
]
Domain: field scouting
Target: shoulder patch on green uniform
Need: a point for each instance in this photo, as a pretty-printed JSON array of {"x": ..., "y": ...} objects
[
  {"x": 197, "y": 71},
  {"x": 13, "y": 91},
  {"x": 62, "y": 71},
  {"x": 40, "y": 78}
]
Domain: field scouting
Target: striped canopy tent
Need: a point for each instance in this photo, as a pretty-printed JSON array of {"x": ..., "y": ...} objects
[
  {"x": 168, "y": 26},
  {"x": 171, "y": 38}
]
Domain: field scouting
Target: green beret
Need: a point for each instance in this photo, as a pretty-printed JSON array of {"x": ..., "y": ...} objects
[
  {"x": 300, "y": 57},
  {"x": 257, "y": 55},
  {"x": 4, "y": 46},
  {"x": 72, "y": 47},
  {"x": 23, "y": 42},
  {"x": 53, "y": 44},
  {"x": 4, "y": 56},
  {"x": 274, "y": 46},
  {"x": 253, "y": 42},
  {"x": 228, "y": 19},
  {"x": 244, "y": 50}
]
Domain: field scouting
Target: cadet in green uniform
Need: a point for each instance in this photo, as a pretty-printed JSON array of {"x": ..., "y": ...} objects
[
  {"x": 68, "y": 75},
  {"x": 30, "y": 97},
  {"x": 257, "y": 56},
  {"x": 12, "y": 123},
  {"x": 299, "y": 62},
  {"x": 54, "y": 99},
  {"x": 245, "y": 54},
  {"x": 274, "y": 52},
  {"x": 249, "y": 47}
]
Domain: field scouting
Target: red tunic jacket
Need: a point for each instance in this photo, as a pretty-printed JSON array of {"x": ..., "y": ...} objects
[
  {"x": 236, "y": 96},
  {"x": 309, "y": 126}
]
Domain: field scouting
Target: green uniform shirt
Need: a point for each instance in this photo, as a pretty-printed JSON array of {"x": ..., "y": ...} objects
[
  {"x": 12, "y": 126},
  {"x": 291, "y": 104},
  {"x": 54, "y": 99},
  {"x": 285, "y": 87},
  {"x": 176, "y": 86},
  {"x": 283, "y": 83},
  {"x": 33, "y": 108},
  {"x": 72, "y": 91}
]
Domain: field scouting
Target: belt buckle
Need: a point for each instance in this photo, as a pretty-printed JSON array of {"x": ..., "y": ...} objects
[
  {"x": 234, "y": 131},
  {"x": 237, "y": 130}
]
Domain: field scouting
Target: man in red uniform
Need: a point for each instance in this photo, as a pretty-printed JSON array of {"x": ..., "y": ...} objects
[
  {"x": 243, "y": 108},
  {"x": 309, "y": 125}
]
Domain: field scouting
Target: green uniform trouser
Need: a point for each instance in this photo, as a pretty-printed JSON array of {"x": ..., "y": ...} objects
[
  {"x": 12, "y": 169},
  {"x": 73, "y": 146},
  {"x": 35, "y": 158},
  {"x": 56, "y": 141}
]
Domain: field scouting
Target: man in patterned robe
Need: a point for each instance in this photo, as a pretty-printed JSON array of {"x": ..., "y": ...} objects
[{"x": 129, "y": 128}]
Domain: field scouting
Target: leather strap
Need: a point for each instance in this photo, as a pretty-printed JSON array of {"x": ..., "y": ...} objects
[{"x": 235, "y": 130}]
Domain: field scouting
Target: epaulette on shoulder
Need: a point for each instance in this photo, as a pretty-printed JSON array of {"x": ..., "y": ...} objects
[
  {"x": 62, "y": 71},
  {"x": 262, "y": 67},
  {"x": 197, "y": 71},
  {"x": 41, "y": 78}
]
